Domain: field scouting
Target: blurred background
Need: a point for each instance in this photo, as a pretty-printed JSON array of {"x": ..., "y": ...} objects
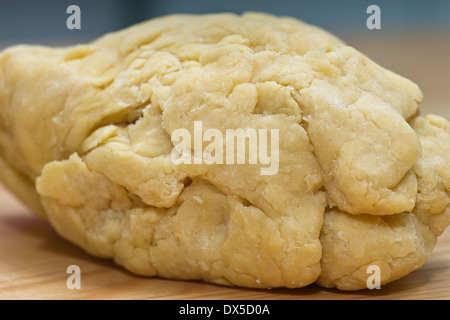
[{"x": 414, "y": 39}]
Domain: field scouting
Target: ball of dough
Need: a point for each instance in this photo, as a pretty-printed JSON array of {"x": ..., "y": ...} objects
[{"x": 86, "y": 141}]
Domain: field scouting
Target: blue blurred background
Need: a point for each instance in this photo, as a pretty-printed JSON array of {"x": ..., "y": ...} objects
[{"x": 34, "y": 21}]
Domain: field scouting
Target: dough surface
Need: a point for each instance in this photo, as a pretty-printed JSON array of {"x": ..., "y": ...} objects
[{"x": 362, "y": 179}]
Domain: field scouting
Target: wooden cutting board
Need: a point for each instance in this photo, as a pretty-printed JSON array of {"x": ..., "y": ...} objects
[{"x": 34, "y": 261}]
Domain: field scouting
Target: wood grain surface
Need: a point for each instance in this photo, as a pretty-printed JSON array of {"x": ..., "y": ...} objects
[{"x": 34, "y": 259}]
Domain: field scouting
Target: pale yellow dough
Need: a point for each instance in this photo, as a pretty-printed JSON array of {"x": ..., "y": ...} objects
[{"x": 85, "y": 141}]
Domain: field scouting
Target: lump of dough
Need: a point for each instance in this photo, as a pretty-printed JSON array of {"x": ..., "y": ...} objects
[
  {"x": 86, "y": 142},
  {"x": 397, "y": 244}
]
